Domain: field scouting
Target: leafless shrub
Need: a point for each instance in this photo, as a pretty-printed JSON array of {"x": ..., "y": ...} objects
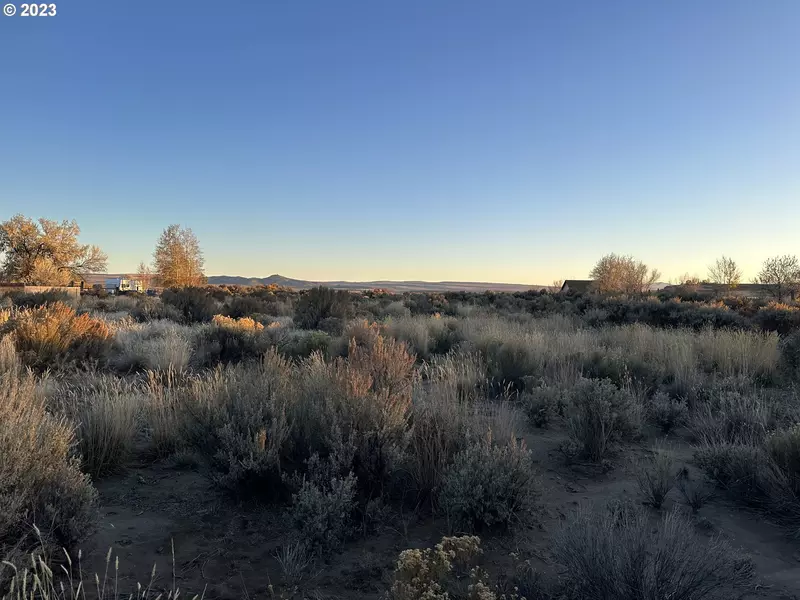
[{"x": 617, "y": 555}]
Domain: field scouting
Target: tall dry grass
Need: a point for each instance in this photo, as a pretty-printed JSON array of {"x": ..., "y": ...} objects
[
  {"x": 40, "y": 476},
  {"x": 154, "y": 346}
]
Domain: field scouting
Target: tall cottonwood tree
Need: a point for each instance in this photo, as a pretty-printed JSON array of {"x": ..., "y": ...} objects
[
  {"x": 46, "y": 252},
  {"x": 178, "y": 259},
  {"x": 780, "y": 277},
  {"x": 615, "y": 274},
  {"x": 726, "y": 272}
]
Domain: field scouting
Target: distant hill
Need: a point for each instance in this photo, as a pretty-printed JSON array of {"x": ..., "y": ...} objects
[{"x": 394, "y": 286}]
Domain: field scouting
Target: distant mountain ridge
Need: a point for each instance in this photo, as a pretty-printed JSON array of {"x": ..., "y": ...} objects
[{"x": 394, "y": 286}]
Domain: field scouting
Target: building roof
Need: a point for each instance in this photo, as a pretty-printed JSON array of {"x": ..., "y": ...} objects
[{"x": 577, "y": 285}]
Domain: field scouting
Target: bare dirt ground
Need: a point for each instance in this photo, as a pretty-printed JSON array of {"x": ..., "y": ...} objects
[{"x": 228, "y": 548}]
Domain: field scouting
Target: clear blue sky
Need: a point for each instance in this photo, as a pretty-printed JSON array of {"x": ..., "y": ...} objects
[{"x": 513, "y": 140}]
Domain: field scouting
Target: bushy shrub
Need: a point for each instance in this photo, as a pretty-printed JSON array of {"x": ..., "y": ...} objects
[
  {"x": 422, "y": 573},
  {"x": 37, "y": 299},
  {"x": 600, "y": 415},
  {"x": 241, "y": 423},
  {"x": 321, "y": 303},
  {"x": 229, "y": 340},
  {"x": 154, "y": 309},
  {"x": 243, "y": 324},
  {"x": 41, "y": 481},
  {"x": 302, "y": 344},
  {"x": 54, "y": 334},
  {"x": 248, "y": 306},
  {"x": 617, "y": 555},
  {"x": 666, "y": 412},
  {"x": 361, "y": 402},
  {"x": 322, "y": 509},
  {"x": 489, "y": 486},
  {"x": 195, "y": 305},
  {"x": 781, "y": 318},
  {"x": 543, "y": 404}
]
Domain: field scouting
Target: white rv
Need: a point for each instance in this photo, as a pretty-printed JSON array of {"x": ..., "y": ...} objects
[{"x": 116, "y": 285}]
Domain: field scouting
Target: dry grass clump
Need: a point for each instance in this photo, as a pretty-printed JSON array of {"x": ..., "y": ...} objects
[
  {"x": 107, "y": 425},
  {"x": 656, "y": 476},
  {"x": 9, "y": 361},
  {"x": 53, "y": 577},
  {"x": 40, "y": 477},
  {"x": 153, "y": 346},
  {"x": 425, "y": 335},
  {"x": 617, "y": 555},
  {"x": 734, "y": 417},
  {"x": 54, "y": 334}
]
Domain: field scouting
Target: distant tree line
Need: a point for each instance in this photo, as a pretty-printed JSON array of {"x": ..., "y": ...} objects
[{"x": 46, "y": 252}]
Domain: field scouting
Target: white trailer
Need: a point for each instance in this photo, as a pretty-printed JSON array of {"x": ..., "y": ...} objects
[{"x": 115, "y": 285}]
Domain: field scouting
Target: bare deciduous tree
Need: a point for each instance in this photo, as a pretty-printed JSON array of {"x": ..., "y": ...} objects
[
  {"x": 780, "y": 276},
  {"x": 725, "y": 272},
  {"x": 145, "y": 274},
  {"x": 622, "y": 275},
  {"x": 46, "y": 252},
  {"x": 178, "y": 259},
  {"x": 557, "y": 285}
]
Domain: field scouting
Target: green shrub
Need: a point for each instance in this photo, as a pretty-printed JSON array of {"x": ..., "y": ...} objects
[
  {"x": 601, "y": 415},
  {"x": 230, "y": 341},
  {"x": 247, "y": 306},
  {"x": 489, "y": 486},
  {"x": 195, "y": 305},
  {"x": 41, "y": 482},
  {"x": 321, "y": 303},
  {"x": 37, "y": 299},
  {"x": 154, "y": 309},
  {"x": 666, "y": 412},
  {"x": 618, "y": 555}
]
